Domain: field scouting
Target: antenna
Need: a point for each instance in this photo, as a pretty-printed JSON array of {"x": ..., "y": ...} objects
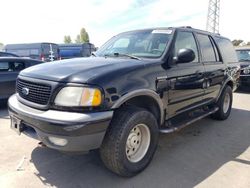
[{"x": 213, "y": 16}]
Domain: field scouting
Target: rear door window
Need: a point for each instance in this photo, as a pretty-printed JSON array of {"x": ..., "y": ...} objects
[{"x": 207, "y": 49}]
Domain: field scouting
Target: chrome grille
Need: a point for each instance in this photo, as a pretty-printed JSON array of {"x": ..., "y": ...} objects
[{"x": 34, "y": 92}]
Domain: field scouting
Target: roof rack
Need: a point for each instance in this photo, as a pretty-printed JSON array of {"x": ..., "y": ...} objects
[{"x": 186, "y": 27}]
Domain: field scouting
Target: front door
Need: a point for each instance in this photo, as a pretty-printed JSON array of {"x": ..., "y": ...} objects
[{"x": 187, "y": 79}]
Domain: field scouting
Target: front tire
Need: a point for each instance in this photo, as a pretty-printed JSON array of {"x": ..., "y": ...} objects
[
  {"x": 130, "y": 141},
  {"x": 224, "y": 104}
]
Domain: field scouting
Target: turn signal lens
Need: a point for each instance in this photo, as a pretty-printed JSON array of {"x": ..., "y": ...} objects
[{"x": 91, "y": 97}]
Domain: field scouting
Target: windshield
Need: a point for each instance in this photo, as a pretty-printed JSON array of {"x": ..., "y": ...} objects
[
  {"x": 243, "y": 55},
  {"x": 145, "y": 44}
]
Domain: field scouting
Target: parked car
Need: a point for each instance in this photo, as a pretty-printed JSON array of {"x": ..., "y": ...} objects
[
  {"x": 40, "y": 51},
  {"x": 6, "y": 54},
  {"x": 244, "y": 58},
  {"x": 68, "y": 51},
  {"x": 141, "y": 83},
  {"x": 9, "y": 70}
]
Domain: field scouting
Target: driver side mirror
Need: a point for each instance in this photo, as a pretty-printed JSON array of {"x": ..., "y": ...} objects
[{"x": 185, "y": 55}]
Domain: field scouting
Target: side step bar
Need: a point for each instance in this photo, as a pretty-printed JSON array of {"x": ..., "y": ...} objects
[{"x": 177, "y": 128}]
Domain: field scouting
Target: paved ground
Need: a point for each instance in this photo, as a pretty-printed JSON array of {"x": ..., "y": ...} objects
[{"x": 207, "y": 154}]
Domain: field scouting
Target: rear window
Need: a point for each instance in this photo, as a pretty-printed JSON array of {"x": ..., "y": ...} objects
[
  {"x": 4, "y": 66},
  {"x": 49, "y": 49},
  {"x": 226, "y": 49}
]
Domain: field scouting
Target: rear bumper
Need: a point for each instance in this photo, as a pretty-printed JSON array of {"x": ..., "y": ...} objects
[{"x": 83, "y": 132}]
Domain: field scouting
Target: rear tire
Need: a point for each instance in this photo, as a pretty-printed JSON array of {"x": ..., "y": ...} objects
[
  {"x": 130, "y": 141},
  {"x": 224, "y": 104}
]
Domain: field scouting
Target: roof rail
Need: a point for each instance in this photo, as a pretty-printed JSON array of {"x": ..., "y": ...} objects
[{"x": 186, "y": 27}]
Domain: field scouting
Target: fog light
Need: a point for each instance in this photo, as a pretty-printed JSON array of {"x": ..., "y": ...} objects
[{"x": 58, "y": 141}]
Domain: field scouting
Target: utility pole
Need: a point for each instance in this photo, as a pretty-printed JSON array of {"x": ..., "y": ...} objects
[{"x": 213, "y": 16}]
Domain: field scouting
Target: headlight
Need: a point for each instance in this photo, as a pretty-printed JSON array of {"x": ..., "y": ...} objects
[
  {"x": 78, "y": 96},
  {"x": 246, "y": 70}
]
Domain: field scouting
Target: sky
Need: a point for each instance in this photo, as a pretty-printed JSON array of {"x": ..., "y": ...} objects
[{"x": 25, "y": 21}]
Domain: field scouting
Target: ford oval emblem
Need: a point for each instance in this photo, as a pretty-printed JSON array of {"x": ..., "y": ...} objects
[{"x": 25, "y": 91}]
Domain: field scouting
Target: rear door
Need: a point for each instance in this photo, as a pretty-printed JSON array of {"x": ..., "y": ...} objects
[
  {"x": 214, "y": 67},
  {"x": 186, "y": 78},
  {"x": 9, "y": 71}
]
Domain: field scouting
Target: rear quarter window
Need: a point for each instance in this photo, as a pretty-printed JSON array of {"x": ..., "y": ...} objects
[{"x": 226, "y": 49}]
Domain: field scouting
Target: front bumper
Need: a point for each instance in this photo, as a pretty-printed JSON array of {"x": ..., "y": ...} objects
[{"x": 83, "y": 131}]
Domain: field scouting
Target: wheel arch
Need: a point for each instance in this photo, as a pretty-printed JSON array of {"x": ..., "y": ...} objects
[
  {"x": 228, "y": 82},
  {"x": 144, "y": 98}
]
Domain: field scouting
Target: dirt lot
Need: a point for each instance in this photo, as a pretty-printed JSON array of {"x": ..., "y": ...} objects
[{"x": 207, "y": 154}]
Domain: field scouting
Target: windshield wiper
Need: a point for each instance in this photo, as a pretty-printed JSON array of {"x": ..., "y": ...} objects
[{"x": 126, "y": 55}]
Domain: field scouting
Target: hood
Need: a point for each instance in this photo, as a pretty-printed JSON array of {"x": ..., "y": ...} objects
[{"x": 79, "y": 70}]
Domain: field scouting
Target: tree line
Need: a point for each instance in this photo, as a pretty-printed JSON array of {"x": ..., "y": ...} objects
[
  {"x": 240, "y": 42},
  {"x": 80, "y": 38}
]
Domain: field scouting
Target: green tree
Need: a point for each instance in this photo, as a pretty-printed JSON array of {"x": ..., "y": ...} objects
[
  {"x": 84, "y": 36},
  {"x": 237, "y": 42},
  {"x": 78, "y": 39},
  {"x": 67, "y": 39},
  {"x": 1, "y": 46}
]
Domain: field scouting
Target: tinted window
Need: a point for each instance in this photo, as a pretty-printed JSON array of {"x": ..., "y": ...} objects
[
  {"x": 226, "y": 49},
  {"x": 243, "y": 55},
  {"x": 186, "y": 40},
  {"x": 207, "y": 50},
  {"x": 18, "y": 66},
  {"x": 215, "y": 50},
  {"x": 4, "y": 66}
]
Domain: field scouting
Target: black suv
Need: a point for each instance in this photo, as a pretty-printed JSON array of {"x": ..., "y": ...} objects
[
  {"x": 139, "y": 84},
  {"x": 244, "y": 58}
]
